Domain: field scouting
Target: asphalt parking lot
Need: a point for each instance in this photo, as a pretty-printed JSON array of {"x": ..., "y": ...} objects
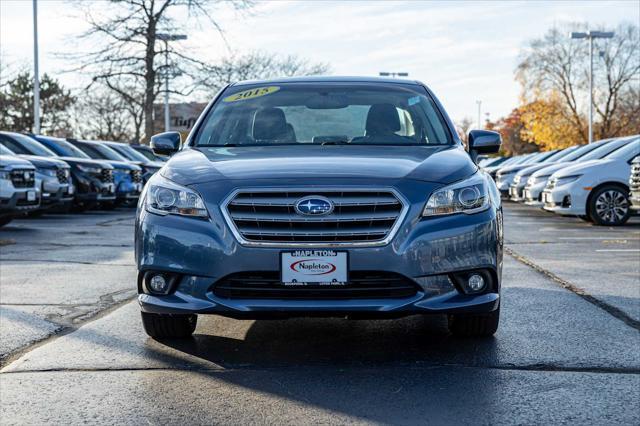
[{"x": 73, "y": 349}]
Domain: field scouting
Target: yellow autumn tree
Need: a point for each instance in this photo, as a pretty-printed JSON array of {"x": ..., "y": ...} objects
[{"x": 546, "y": 123}]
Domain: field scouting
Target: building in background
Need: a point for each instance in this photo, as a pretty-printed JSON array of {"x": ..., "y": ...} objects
[{"x": 182, "y": 116}]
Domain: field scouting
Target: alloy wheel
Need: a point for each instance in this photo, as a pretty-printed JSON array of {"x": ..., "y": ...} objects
[{"x": 612, "y": 206}]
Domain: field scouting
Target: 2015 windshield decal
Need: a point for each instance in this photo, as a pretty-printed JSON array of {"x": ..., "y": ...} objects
[{"x": 251, "y": 94}]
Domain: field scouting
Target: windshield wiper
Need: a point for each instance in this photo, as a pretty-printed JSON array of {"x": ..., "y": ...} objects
[{"x": 335, "y": 142}]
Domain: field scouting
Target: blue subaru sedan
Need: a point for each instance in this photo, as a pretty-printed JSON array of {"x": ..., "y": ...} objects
[{"x": 349, "y": 197}]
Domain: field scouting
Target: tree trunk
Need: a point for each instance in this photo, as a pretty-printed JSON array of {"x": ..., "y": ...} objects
[{"x": 149, "y": 79}]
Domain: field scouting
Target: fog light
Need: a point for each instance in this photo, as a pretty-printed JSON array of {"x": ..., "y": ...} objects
[
  {"x": 158, "y": 284},
  {"x": 476, "y": 282}
]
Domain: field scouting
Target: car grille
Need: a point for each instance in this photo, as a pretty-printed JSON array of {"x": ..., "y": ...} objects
[
  {"x": 361, "y": 285},
  {"x": 358, "y": 217},
  {"x": 106, "y": 176},
  {"x": 634, "y": 180},
  {"x": 136, "y": 176},
  {"x": 63, "y": 175},
  {"x": 23, "y": 178}
]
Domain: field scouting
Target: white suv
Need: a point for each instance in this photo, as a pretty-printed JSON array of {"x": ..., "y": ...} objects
[
  {"x": 595, "y": 189},
  {"x": 17, "y": 187}
]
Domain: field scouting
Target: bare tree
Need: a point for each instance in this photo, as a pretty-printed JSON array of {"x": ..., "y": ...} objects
[
  {"x": 103, "y": 116},
  {"x": 462, "y": 127},
  {"x": 130, "y": 56},
  {"x": 556, "y": 63},
  {"x": 257, "y": 65}
]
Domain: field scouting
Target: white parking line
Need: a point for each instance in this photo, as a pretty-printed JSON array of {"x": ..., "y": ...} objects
[
  {"x": 599, "y": 238},
  {"x": 621, "y": 250}
]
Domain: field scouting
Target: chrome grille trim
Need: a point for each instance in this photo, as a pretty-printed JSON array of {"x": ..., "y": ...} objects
[
  {"x": 377, "y": 228},
  {"x": 634, "y": 179}
]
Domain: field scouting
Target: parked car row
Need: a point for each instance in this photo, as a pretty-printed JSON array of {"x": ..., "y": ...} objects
[
  {"x": 42, "y": 173},
  {"x": 595, "y": 182}
]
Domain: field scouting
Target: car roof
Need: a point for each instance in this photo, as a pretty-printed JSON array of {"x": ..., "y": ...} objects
[{"x": 327, "y": 79}]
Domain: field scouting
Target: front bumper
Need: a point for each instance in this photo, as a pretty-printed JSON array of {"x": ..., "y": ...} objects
[
  {"x": 57, "y": 193},
  {"x": 532, "y": 194},
  {"x": 22, "y": 200},
  {"x": 516, "y": 192},
  {"x": 425, "y": 251},
  {"x": 569, "y": 200},
  {"x": 634, "y": 200}
]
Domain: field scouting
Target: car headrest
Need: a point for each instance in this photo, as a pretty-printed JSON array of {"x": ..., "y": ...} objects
[
  {"x": 269, "y": 124},
  {"x": 382, "y": 119}
]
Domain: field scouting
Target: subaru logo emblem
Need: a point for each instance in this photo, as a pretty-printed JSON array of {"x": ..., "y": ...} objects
[{"x": 314, "y": 205}]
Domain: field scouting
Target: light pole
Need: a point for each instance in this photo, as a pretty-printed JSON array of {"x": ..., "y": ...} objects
[
  {"x": 590, "y": 35},
  {"x": 393, "y": 74},
  {"x": 167, "y": 38},
  {"x": 479, "y": 103},
  {"x": 36, "y": 75}
]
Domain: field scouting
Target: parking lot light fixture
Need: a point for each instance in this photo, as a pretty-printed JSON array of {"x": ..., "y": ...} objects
[
  {"x": 393, "y": 74},
  {"x": 167, "y": 38},
  {"x": 590, "y": 35}
]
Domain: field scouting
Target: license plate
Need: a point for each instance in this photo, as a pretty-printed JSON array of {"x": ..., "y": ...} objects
[
  {"x": 546, "y": 197},
  {"x": 513, "y": 192},
  {"x": 313, "y": 267},
  {"x": 31, "y": 195},
  {"x": 527, "y": 194}
]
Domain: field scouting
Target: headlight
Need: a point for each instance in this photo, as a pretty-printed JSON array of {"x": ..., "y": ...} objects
[
  {"x": 48, "y": 172},
  {"x": 537, "y": 179},
  {"x": 516, "y": 179},
  {"x": 469, "y": 196},
  {"x": 4, "y": 174},
  {"x": 164, "y": 197},
  {"x": 567, "y": 179},
  {"x": 89, "y": 169}
]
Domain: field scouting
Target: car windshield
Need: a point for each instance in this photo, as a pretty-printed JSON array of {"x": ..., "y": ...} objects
[
  {"x": 5, "y": 151},
  {"x": 147, "y": 153},
  {"x": 128, "y": 152},
  {"x": 604, "y": 150},
  {"x": 324, "y": 114},
  {"x": 100, "y": 152},
  {"x": 561, "y": 154},
  {"x": 65, "y": 149},
  {"x": 627, "y": 152},
  {"x": 21, "y": 144}
]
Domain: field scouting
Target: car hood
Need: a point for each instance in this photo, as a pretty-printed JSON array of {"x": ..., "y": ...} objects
[
  {"x": 9, "y": 162},
  {"x": 45, "y": 162},
  {"x": 582, "y": 168},
  {"x": 433, "y": 164},
  {"x": 86, "y": 162}
]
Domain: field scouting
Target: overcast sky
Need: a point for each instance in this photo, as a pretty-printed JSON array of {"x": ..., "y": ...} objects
[{"x": 464, "y": 51}]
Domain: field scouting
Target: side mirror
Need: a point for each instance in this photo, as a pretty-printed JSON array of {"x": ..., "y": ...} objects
[
  {"x": 483, "y": 142},
  {"x": 166, "y": 143}
]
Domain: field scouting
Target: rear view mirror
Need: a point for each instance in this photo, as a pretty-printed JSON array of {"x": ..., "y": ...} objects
[{"x": 166, "y": 143}]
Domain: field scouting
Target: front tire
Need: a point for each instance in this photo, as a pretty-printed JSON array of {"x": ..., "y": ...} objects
[
  {"x": 474, "y": 325},
  {"x": 609, "y": 206},
  {"x": 169, "y": 326}
]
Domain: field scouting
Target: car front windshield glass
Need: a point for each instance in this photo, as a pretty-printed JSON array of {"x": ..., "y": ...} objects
[
  {"x": 5, "y": 151},
  {"x": 32, "y": 147},
  {"x": 128, "y": 152},
  {"x": 604, "y": 150},
  {"x": 627, "y": 152},
  {"x": 65, "y": 149},
  {"x": 146, "y": 153},
  {"x": 324, "y": 114},
  {"x": 108, "y": 153}
]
